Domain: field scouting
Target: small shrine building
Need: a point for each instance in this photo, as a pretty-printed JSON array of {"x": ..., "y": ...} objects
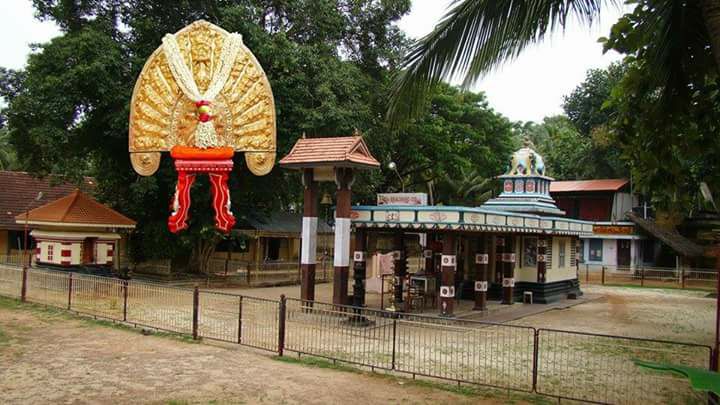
[
  {"x": 76, "y": 230},
  {"x": 516, "y": 243}
]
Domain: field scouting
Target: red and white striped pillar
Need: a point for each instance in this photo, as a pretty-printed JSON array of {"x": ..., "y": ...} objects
[
  {"x": 482, "y": 259},
  {"x": 508, "y": 281},
  {"x": 308, "y": 247},
  {"x": 448, "y": 263},
  {"x": 343, "y": 179}
]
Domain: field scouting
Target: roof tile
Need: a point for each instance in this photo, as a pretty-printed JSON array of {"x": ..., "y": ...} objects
[
  {"x": 77, "y": 208},
  {"x": 19, "y": 190},
  {"x": 339, "y": 151}
]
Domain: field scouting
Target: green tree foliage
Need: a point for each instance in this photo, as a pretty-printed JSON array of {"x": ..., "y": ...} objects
[
  {"x": 564, "y": 149},
  {"x": 585, "y": 105},
  {"x": 581, "y": 145},
  {"x": 458, "y": 134},
  {"x": 329, "y": 63},
  {"x": 667, "y": 125},
  {"x": 476, "y": 36},
  {"x": 7, "y": 152}
]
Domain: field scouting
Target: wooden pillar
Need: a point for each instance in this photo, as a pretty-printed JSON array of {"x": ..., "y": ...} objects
[
  {"x": 359, "y": 268},
  {"x": 482, "y": 259},
  {"x": 508, "y": 281},
  {"x": 343, "y": 179},
  {"x": 429, "y": 256},
  {"x": 400, "y": 267},
  {"x": 308, "y": 244},
  {"x": 447, "y": 275},
  {"x": 542, "y": 246},
  {"x": 499, "y": 252}
]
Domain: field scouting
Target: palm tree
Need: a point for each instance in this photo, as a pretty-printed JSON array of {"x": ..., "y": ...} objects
[
  {"x": 470, "y": 188},
  {"x": 477, "y": 35}
]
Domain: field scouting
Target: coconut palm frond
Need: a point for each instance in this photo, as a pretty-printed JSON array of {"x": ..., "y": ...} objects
[{"x": 476, "y": 36}]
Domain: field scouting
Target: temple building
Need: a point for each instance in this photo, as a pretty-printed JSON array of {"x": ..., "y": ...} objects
[
  {"x": 76, "y": 230},
  {"x": 19, "y": 193},
  {"x": 516, "y": 246}
]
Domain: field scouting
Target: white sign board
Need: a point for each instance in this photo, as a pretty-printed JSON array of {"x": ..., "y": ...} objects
[{"x": 402, "y": 199}]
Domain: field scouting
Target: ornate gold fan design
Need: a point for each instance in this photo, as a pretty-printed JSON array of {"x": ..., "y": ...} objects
[{"x": 162, "y": 117}]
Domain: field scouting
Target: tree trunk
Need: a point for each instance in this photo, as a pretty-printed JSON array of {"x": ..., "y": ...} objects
[
  {"x": 202, "y": 252},
  {"x": 711, "y": 15}
]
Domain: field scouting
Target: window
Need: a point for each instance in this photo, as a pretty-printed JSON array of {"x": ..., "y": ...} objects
[
  {"x": 529, "y": 258},
  {"x": 561, "y": 253},
  {"x": 50, "y": 252},
  {"x": 273, "y": 248},
  {"x": 596, "y": 250}
]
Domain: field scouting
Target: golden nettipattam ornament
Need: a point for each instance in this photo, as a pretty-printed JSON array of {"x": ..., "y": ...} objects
[{"x": 202, "y": 96}]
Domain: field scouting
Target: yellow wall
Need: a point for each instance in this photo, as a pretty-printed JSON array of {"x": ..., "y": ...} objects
[
  {"x": 527, "y": 274},
  {"x": 557, "y": 272}
]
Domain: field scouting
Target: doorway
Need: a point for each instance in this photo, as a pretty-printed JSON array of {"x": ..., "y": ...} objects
[
  {"x": 623, "y": 252},
  {"x": 89, "y": 251}
]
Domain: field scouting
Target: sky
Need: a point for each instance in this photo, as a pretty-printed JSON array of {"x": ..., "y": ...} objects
[{"x": 526, "y": 89}]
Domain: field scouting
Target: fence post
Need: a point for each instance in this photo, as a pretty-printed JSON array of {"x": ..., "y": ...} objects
[
  {"x": 239, "y": 337},
  {"x": 642, "y": 276},
  {"x": 603, "y": 276},
  {"x": 536, "y": 342},
  {"x": 682, "y": 277},
  {"x": 394, "y": 343},
  {"x": 196, "y": 312},
  {"x": 587, "y": 273},
  {"x": 70, "y": 287},
  {"x": 281, "y": 325},
  {"x": 125, "y": 300},
  {"x": 23, "y": 287}
]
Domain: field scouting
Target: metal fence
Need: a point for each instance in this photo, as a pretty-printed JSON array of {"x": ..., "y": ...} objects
[
  {"x": 559, "y": 364},
  {"x": 642, "y": 276}
]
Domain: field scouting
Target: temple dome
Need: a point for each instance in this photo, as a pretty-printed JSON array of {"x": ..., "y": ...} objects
[{"x": 526, "y": 162}]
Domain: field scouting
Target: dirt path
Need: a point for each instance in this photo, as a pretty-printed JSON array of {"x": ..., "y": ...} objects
[
  {"x": 680, "y": 315},
  {"x": 52, "y": 359}
]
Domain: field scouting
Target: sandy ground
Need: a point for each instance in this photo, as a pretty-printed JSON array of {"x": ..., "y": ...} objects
[
  {"x": 53, "y": 359},
  {"x": 653, "y": 313},
  {"x": 679, "y": 315}
]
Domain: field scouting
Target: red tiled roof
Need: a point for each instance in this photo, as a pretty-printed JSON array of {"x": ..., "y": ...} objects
[
  {"x": 18, "y": 191},
  {"x": 343, "y": 151},
  {"x": 77, "y": 208},
  {"x": 575, "y": 186}
]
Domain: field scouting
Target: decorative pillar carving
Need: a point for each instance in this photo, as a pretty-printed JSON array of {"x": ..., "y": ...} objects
[
  {"x": 508, "y": 281},
  {"x": 218, "y": 170},
  {"x": 308, "y": 247},
  {"x": 482, "y": 259},
  {"x": 359, "y": 268},
  {"x": 343, "y": 179},
  {"x": 447, "y": 279},
  {"x": 542, "y": 246}
]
